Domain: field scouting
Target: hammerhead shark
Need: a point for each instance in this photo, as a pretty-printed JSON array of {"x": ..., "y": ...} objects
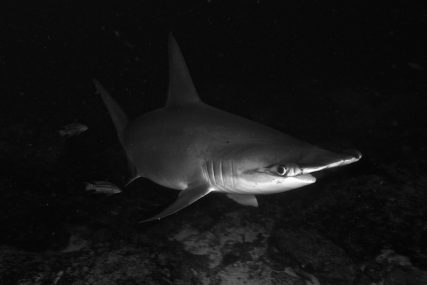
[{"x": 197, "y": 149}]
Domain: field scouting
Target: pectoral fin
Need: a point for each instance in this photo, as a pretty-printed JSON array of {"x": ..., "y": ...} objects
[
  {"x": 246, "y": 200},
  {"x": 185, "y": 198}
]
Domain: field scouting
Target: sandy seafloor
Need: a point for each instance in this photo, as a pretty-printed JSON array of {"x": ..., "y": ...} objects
[{"x": 340, "y": 77}]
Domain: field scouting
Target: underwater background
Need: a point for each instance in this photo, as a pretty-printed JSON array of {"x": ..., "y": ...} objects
[{"x": 346, "y": 76}]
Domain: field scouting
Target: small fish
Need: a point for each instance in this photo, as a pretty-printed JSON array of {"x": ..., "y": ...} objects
[
  {"x": 416, "y": 66},
  {"x": 103, "y": 187},
  {"x": 73, "y": 129}
]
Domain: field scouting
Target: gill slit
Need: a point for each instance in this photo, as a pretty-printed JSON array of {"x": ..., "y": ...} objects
[
  {"x": 205, "y": 171},
  {"x": 220, "y": 173},
  {"x": 233, "y": 173},
  {"x": 213, "y": 172}
]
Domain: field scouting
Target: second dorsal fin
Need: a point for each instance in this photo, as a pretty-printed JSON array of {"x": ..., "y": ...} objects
[{"x": 181, "y": 88}]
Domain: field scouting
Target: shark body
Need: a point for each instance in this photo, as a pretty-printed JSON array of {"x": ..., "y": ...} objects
[{"x": 196, "y": 148}]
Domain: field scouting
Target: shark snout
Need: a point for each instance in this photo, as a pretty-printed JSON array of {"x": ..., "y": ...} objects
[
  {"x": 321, "y": 159},
  {"x": 353, "y": 153}
]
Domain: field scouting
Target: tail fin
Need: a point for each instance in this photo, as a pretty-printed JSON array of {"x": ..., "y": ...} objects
[{"x": 119, "y": 118}]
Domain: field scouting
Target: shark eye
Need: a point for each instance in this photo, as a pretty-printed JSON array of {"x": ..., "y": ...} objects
[
  {"x": 281, "y": 170},
  {"x": 286, "y": 170}
]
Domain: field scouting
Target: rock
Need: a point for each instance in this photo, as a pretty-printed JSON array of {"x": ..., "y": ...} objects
[{"x": 310, "y": 251}]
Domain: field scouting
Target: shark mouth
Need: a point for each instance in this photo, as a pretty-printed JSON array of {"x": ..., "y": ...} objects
[{"x": 307, "y": 178}]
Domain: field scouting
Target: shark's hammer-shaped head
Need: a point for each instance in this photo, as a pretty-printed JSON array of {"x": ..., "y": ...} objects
[{"x": 264, "y": 169}]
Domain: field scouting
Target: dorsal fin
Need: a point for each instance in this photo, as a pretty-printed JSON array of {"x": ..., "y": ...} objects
[{"x": 181, "y": 88}]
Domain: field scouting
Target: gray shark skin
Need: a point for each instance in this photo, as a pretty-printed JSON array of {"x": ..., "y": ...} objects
[{"x": 195, "y": 148}]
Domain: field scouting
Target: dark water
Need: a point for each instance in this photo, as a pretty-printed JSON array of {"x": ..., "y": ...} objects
[{"x": 349, "y": 76}]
